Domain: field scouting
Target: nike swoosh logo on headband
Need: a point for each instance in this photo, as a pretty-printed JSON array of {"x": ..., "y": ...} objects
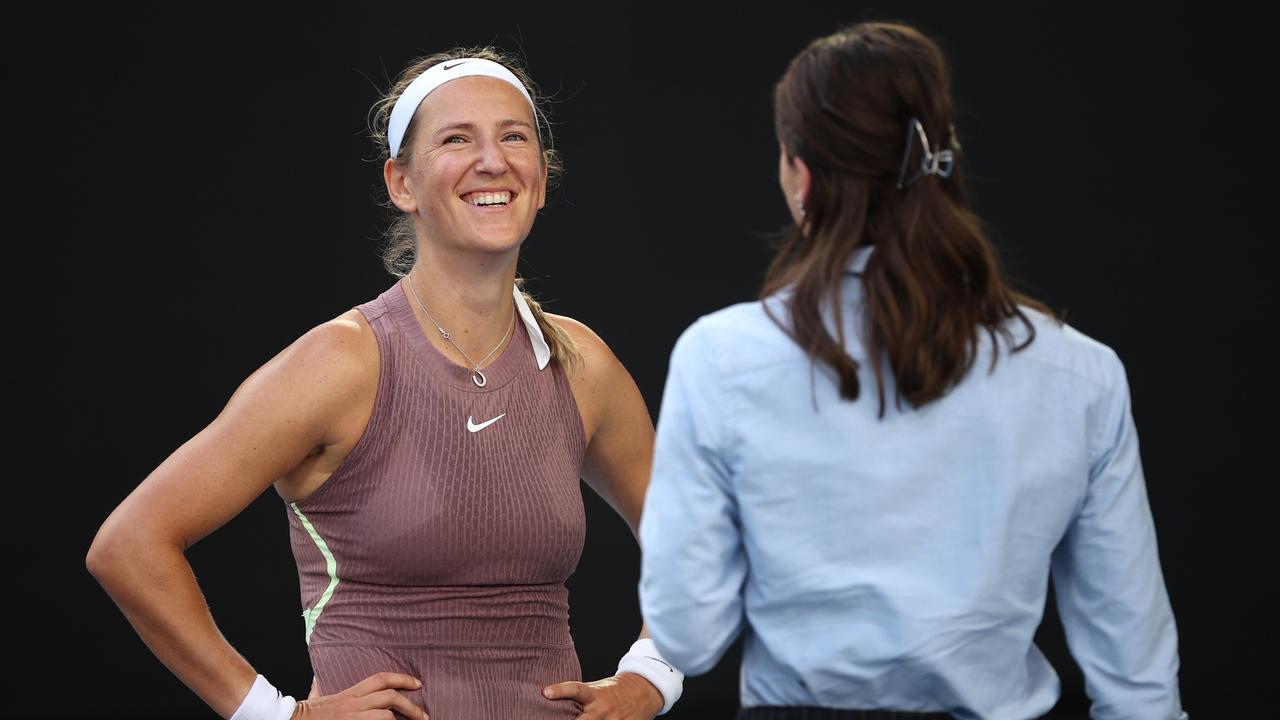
[{"x": 450, "y": 67}]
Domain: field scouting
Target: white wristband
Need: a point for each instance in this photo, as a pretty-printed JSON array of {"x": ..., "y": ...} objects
[
  {"x": 644, "y": 660},
  {"x": 264, "y": 703}
]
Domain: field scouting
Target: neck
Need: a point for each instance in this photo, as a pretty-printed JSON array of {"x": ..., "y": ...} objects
[{"x": 469, "y": 296}]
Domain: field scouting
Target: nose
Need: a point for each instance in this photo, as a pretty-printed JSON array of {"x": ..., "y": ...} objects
[{"x": 492, "y": 160}]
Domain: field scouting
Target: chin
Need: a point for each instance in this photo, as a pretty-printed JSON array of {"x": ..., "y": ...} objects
[{"x": 494, "y": 244}]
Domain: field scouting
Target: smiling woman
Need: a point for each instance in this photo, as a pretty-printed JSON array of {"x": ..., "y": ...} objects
[{"x": 428, "y": 446}]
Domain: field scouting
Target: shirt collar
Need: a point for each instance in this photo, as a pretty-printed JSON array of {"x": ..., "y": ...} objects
[{"x": 858, "y": 260}]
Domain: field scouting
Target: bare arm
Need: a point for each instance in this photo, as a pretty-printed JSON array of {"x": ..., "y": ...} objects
[
  {"x": 619, "y": 454},
  {"x": 620, "y": 450},
  {"x": 293, "y": 413},
  {"x": 618, "y": 428}
]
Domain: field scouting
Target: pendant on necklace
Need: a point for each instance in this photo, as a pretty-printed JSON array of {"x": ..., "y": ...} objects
[{"x": 478, "y": 378}]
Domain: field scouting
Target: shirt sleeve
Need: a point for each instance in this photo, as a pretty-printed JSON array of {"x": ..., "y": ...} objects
[
  {"x": 1109, "y": 587},
  {"x": 692, "y": 561}
]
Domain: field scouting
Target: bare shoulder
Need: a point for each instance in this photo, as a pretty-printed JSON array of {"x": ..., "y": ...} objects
[
  {"x": 346, "y": 340},
  {"x": 605, "y": 392},
  {"x": 599, "y": 364},
  {"x": 324, "y": 376},
  {"x": 343, "y": 349}
]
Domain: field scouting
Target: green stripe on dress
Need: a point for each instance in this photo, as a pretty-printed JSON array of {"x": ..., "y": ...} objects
[{"x": 310, "y": 615}]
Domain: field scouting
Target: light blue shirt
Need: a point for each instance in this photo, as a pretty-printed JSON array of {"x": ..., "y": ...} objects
[{"x": 903, "y": 562}]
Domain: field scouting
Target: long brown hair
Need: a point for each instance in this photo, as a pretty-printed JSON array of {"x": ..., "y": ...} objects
[
  {"x": 400, "y": 246},
  {"x": 844, "y": 107}
]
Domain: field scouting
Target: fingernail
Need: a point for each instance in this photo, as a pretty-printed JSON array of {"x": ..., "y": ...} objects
[
  {"x": 418, "y": 682},
  {"x": 546, "y": 692}
]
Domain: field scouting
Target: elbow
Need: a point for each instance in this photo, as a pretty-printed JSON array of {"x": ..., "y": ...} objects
[
  {"x": 114, "y": 551},
  {"x": 104, "y": 556},
  {"x": 692, "y": 664},
  {"x": 690, "y": 640},
  {"x": 690, "y": 654}
]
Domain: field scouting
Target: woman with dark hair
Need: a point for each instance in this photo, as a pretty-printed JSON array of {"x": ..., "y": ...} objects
[
  {"x": 428, "y": 445},
  {"x": 874, "y": 469}
]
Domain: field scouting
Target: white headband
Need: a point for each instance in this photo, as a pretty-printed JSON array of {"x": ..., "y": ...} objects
[{"x": 434, "y": 77}]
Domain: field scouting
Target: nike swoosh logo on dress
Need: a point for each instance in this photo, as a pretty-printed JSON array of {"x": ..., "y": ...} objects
[{"x": 473, "y": 427}]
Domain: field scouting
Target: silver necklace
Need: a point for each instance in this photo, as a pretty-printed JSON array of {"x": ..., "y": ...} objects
[{"x": 477, "y": 376}]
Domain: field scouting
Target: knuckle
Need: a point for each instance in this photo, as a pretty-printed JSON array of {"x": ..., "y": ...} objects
[
  {"x": 385, "y": 698},
  {"x": 407, "y": 708}
]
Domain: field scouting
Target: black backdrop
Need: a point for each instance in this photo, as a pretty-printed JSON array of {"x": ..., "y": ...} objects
[{"x": 194, "y": 191}]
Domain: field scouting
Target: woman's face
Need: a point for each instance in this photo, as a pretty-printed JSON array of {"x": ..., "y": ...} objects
[{"x": 475, "y": 178}]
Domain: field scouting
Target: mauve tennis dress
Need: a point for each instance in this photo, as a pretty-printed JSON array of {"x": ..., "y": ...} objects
[{"x": 441, "y": 550}]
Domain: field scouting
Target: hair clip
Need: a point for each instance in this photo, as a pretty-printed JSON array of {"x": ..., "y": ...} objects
[{"x": 939, "y": 163}]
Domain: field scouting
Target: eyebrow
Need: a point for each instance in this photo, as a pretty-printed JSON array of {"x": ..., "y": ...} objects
[{"x": 471, "y": 126}]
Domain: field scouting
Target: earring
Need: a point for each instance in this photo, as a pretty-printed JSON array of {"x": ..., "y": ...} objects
[{"x": 800, "y": 204}]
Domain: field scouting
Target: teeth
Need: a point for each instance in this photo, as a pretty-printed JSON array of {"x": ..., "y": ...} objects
[{"x": 490, "y": 198}]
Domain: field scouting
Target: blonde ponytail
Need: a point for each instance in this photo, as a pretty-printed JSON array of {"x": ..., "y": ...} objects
[{"x": 563, "y": 349}]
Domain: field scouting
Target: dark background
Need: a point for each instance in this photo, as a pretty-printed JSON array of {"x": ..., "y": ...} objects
[{"x": 194, "y": 191}]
